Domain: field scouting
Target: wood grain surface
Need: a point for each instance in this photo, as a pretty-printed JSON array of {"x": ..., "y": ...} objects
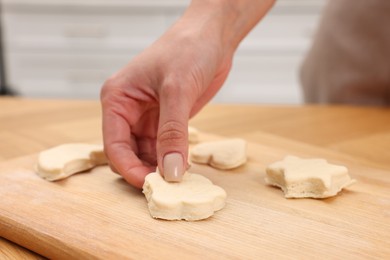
[
  {"x": 98, "y": 215},
  {"x": 9, "y": 250},
  {"x": 356, "y": 134}
]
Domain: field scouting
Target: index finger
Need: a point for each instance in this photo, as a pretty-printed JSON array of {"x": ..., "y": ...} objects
[{"x": 121, "y": 150}]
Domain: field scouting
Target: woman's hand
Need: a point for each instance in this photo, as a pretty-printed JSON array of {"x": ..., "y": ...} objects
[{"x": 147, "y": 105}]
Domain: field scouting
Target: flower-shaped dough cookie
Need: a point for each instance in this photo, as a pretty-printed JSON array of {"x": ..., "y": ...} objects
[
  {"x": 224, "y": 155},
  {"x": 67, "y": 159},
  {"x": 307, "y": 178},
  {"x": 194, "y": 198}
]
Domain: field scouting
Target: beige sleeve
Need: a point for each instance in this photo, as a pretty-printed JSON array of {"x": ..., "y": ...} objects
[{"x": 349, "y": 61}]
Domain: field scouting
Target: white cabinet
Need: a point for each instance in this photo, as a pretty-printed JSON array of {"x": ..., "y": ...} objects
[{"x": 65, "y": 48}]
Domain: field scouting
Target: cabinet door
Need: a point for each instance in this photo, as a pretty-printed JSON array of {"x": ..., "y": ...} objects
[
  {"x": 63, "y": 75},
  {"x": 81, "y": 30}
]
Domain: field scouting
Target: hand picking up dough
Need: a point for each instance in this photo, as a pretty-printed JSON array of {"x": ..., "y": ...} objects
[
  {"x": 194, "y": 198},
  {"x": 64, "y": 160},
  {"x": 307, "y": 178},
  {"x": 224, "y": 155}
]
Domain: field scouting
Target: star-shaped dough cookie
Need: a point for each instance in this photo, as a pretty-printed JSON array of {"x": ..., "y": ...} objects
[
  {"x": 307, "y": 178},
  {"x": 224, "y": 155},
  {"x": 67, "y": 159},
  {"x": 194, "y": 198}
]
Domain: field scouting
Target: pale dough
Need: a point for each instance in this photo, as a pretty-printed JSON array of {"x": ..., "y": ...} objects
[
  {"x": 194, "y": 198},
  {"x": 307, "y": 178},
  {"x": 64, "y": 160},
  {"x": 193, "y": 135},
  {"x": 224, "y": 155}
]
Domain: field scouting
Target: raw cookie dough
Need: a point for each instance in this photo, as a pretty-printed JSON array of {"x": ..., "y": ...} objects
[
  {"x": 193, "y": 135},
  {"x": 224, "y": 155},
  {"x": 64, "y": 160},
  {"x": 194, "y": 198},
  {"x": 307, "y": 178}
]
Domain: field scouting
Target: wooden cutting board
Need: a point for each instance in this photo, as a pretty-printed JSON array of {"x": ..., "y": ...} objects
[{"x": 97, "y": 215}]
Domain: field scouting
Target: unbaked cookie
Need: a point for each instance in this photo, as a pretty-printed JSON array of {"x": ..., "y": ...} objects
[
  {"x": 224, "y": 155},
  {"x": 307, "y": 178},
  {"x": 64, "y": 160},
  {"x": 193, "y": 135},
  {"x": 194, "y": 198}
]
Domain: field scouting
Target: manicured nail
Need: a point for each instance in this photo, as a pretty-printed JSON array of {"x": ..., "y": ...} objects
[{"x": 173, "y": 167}]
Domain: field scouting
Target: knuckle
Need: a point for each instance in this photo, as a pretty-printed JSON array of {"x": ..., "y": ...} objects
[
  {"x": 108, "y": 84},
  {"x": 110, "y": 88},
  {"x": 170, "y": 87},
  {"x": 175, "y": 89},
  {"x": 171, "y": 133}
]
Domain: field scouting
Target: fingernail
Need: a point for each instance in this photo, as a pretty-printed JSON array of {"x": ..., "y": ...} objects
[{"x": 173, "y": 167}]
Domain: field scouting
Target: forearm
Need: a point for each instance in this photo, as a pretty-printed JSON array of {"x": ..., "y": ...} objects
[{"x": 226, "y": 21}]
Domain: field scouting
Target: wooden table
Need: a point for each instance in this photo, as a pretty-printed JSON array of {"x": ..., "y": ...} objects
[{"x": 29, "y": 126}]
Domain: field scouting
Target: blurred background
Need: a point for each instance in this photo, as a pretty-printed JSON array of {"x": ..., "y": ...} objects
[{"x": 67, "y": 48}]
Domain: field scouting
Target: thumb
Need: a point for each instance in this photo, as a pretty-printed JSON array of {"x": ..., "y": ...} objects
[{"x": 172, "y": 136}]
